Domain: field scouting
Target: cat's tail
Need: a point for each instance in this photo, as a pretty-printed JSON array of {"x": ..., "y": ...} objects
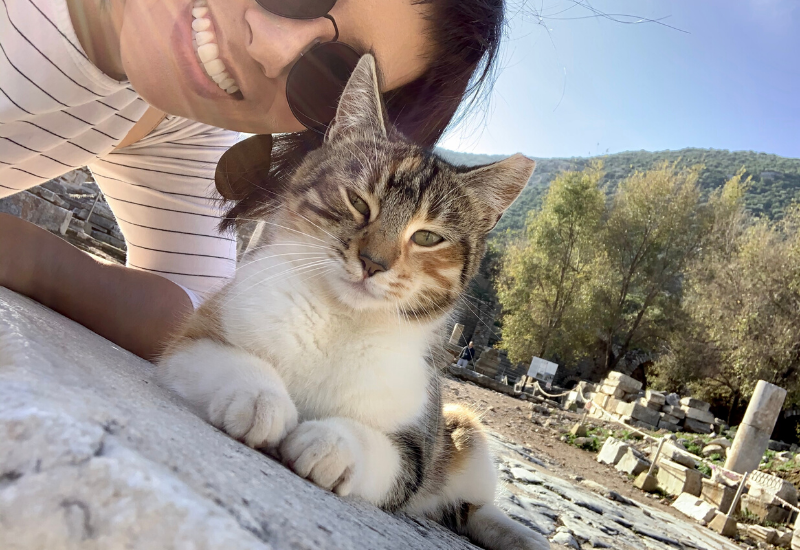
[{"x": 470, "y": 486}]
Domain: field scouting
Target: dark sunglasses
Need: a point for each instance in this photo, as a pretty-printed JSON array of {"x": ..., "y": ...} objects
[{"x": 317, "y": 80}]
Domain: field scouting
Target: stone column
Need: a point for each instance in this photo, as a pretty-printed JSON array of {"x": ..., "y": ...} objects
[
  {"x": 753, "y": 434},
  {"x": 455, "y": 337}
]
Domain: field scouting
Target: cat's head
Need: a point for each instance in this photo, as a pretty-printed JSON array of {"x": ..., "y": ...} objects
[{"x": 403, "y": 229}]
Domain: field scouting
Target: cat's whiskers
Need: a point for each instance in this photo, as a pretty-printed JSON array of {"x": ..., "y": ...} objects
[
  {"x": 242, "y": 266},
  {"x": 292, "y": 270}
]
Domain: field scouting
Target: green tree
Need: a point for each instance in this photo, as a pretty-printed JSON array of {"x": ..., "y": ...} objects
[
  {"x": 655, "y": 229},
  {"x": 542, "y": 283}
]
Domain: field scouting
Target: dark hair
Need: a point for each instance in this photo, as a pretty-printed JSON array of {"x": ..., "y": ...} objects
[{"x": 466, "y": 37}]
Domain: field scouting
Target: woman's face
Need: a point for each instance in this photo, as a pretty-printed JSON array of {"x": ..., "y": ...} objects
[{"x": 257, "y": 50}]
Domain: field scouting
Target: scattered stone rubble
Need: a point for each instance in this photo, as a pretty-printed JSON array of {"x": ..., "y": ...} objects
[
  {"x": 62, "y": 206},
  {"x": 622, "y": 397}
]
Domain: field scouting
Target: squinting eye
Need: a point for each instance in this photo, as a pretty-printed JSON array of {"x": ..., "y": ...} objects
[
  {"x": 359, "y": 204},
  {"x": 426, "y": 238}
]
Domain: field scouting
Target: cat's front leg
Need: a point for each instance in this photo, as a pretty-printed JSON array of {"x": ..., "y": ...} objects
[
  {"x": 343, "y": 456},
  {"x": 231, "y": 389}
]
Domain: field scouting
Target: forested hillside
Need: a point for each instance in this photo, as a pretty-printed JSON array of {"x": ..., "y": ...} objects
[{"x": 775, "y": 180}]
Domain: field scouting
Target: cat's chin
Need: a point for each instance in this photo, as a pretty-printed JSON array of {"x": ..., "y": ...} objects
[{"x": 360, "y": 296}]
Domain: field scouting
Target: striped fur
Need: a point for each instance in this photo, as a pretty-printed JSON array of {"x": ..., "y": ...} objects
[{"x": 309, "y": 355}]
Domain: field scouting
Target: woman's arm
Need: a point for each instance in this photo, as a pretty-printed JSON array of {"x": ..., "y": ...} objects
[{"x": 134, "y": 309}]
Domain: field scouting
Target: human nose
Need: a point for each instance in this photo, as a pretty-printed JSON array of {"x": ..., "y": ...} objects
[{"x": 277, "y": 42}]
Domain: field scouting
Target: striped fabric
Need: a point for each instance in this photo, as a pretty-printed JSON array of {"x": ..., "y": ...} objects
[{"x": 59, "y": 112}]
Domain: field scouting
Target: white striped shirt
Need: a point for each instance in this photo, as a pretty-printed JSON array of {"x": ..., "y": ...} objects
[{"x": 59, "y": 112}]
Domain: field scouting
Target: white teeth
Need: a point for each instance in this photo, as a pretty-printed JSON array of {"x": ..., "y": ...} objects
[
  {"x": 207, "y": 52},
  {"x": 215, "y": 66},
  {"x": 204, "y": 37},
  {"x": 201, "y": 24},
  {"x": 204, "y": 42}
]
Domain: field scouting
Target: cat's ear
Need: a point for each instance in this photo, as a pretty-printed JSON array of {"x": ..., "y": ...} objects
[
  {"x": 360, "y": 110},
  {"x": 497, "y": 185},
  {"x": 244, "y": 167}
]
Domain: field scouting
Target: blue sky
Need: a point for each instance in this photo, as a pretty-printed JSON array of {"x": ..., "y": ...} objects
[{"x": 579, "y": 87}]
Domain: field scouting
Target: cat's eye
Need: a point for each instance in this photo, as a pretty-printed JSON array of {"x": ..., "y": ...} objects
[
  {"x": 426, "y": 238},
  {"x": 359, "y": 204}
]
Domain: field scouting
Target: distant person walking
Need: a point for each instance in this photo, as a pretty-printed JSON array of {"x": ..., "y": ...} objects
[{"x": 467, "y": 354}]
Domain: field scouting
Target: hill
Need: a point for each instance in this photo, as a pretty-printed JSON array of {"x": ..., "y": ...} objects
[{"x": 775, "y": 180}]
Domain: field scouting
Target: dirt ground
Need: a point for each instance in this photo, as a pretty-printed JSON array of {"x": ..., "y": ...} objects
[{"x": 511, "y": 417}]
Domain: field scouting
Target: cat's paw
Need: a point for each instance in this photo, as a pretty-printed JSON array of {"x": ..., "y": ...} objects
[
  {"x": 324, "y": 452},
  {"x": 259, "y": 416}
]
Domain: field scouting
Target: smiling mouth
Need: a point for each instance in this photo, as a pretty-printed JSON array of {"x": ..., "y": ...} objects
[{"x": 204, "y": 41}]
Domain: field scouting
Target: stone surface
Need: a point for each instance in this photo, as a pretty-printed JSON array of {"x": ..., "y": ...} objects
[
  {"x": 695, "y": 508},
  {"x": 93, "y": 437},
  {"x": 612, "y": 451},
  {"x": 646, "y": 482},
  {"x": 674, "y": 411},
  {"x": 713, "y": 449},
  {"x": 623, "y": 382},
  {"x": 612, "y": 391},
  {"x": 94, "y": 455},
  {"x": 765, "y": 508},
  {"x": 724, "y": 525},
  {"x": 752, "y": 437},
  {"x": 565, "y": 538},
  {"x": 767, "y": 535},
  {"x": 638, "y": 412},
  {"x": 693, "y": 403},
  {"x": 672, "y": 452},
  {"x": 669, "y": 426},
  {"x": 768, "y": 484},
  {"x": 631, "y": 464},
  {"x": 655, "y": 397},
  {"x": 695, "y": 426},
  {"x": 718, "y": 494},
  {"x": 675, "y": 479},
  {"x": 707, "y": 417}
]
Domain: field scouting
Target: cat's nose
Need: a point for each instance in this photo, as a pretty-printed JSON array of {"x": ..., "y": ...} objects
[{"x": 371, "y": 267}]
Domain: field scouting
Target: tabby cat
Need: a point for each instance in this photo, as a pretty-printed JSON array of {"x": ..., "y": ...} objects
[{"x": 320, "y": 349}]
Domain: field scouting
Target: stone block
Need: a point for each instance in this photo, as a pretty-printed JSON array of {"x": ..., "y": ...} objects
[
  {"x": 102, "y": 457},
  {"x": 693, "y": 403},
  {"x": 613, "y": 404},
  {"x": 673, "y": 399},
  {"x": 724, "y": 525},
  {"x": 669, "y": 426},
  {"x": 646, "y": 482},
  {"x": 613, "y": 450},
  {"x": 655, "y": 397},
  {"x": 675, "y": 479},
  {"x": 765, "y": 508},
  {"x": 613, "y": 391},
  {"x": 632, "y": 464},
  {"x": 696, "y": 508},
  {"x": 600, "y": 399},
  {"x": 709, "y": 450},
  {"x": 623, "y": 381},
  {"x": 675, "y": 454},
  {"x": 36, "y": 210},
  {"x": 670, "y": 419},
  {"x": 718, "y": 494},
  {"x": 671, "y": 410},
  {"x": 707, "y": 417},
  {"x": 696, "y": 426},
  {"x": 638, "y": 412},
  {"x": 767, "y": 484},
  {"x": 759, "y": 533}
]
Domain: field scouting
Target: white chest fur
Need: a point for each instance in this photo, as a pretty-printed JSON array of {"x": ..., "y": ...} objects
[{"x": 334, "y": 361}]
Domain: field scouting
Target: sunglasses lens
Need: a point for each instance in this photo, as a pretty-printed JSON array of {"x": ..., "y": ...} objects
[
  {"x": 298, "y": 9},
  {"x": 316, "y": 83}
]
